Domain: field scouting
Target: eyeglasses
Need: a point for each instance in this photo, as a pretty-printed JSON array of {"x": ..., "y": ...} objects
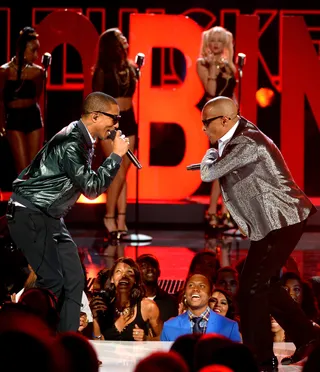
[
  {"x": 115, "y": 118},
  {"x": 206, "y": 122}
]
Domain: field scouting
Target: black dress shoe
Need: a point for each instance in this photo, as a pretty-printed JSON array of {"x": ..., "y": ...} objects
[
  {"x": 299, "y": 354},
  {"x": 270, "y": 365}
]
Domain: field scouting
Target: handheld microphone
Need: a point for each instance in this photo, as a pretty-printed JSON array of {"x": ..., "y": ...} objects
[
  {"x": 129, "y": 153},
  {"x": 193, "y": 166},
  {"x": 140, "y": 60},
  {"x": 241, "y": 60},
  {"x": 46, "y": 60}
]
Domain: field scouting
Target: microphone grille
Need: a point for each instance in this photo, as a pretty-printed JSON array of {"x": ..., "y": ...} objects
[{"x": 112, "y": 135}]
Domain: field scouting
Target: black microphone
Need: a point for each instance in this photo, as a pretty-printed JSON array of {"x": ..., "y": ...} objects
[
  {"x": 129, "y": 153},
  {"x": 241, "y": 60},
  {"x": 46, "y": 60},
  {"x": 194, "y": 166}
]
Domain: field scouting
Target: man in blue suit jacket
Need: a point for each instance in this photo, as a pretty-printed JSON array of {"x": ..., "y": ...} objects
[{"x": 199, "y": 318}]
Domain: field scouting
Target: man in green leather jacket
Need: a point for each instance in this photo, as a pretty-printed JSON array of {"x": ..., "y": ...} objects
[{"x": 48, "y": 188}]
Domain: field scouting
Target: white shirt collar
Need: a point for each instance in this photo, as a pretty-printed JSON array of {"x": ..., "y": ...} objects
[
  {"x": 227, "y": 137},
  {"x": 91, "y": 138}
]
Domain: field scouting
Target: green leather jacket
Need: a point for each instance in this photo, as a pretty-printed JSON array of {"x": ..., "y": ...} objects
[{"x": 61, "y": 171}]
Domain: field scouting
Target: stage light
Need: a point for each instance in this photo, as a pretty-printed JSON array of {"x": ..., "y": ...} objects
[
  {"x": 99, "y": 200},
  {"x": 265, "y": 97}
]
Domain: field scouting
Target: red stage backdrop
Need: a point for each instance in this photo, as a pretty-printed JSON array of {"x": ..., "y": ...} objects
[{"x": 176, "y": 103}]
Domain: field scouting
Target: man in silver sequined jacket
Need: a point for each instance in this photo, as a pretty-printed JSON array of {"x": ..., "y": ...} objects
[{"x": 269, "y": 207}]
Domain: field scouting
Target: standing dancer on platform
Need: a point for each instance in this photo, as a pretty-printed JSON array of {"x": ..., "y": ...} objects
[
  {"x": 114, "y": 74},
  {"x": 271, "y": 210},
  {"x": 21, "y": 83},
  {"x": 47, "y": 189},
  {"x": 216, "y": 71}
]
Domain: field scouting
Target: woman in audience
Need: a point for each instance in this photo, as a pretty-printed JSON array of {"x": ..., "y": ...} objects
[
  {"x": 221, "y": 303},
  {"x": 277, "y": 331},
  {"x": 123, "y": 313},
  {"x": 301, "y": 292}
]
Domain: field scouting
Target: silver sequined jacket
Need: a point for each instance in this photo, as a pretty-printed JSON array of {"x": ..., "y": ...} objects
[{"x": 256, "y": 184}]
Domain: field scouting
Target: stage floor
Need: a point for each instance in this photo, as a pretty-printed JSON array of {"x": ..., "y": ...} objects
[
  {"x": 176, "y": 248},
  {"x": 123, "y": 356}
]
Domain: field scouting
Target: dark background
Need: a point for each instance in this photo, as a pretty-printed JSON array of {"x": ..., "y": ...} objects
[{"x": 65, "y": 106}]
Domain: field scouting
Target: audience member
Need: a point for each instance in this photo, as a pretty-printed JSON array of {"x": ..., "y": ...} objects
[
  {"x": 199, "y": 318},
  {"x": 26, "y": 342},
  {"x": 277, "y": 331},
  {"x": 313, "y": 362},
  {"x": 124, "y": 313},
  {"x": 185, "y": 346},
  {"x": 161, "y": 361},
  {"x": 44, "y": 304},
  {"x": 216, "y": 368},
  {"x": 205, "y": 262},
  {"x": 150, "y": 270},
  {"x": 228, "y": 279},
  {"x": 213, "y": 349},
  {"x": 301, "y": 293},
  {"x": 80, "y": 354},
  {"x": 221, "y": 302}
]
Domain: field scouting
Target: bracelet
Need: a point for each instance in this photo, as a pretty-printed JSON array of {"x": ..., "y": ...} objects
[
  {"x": 97, "y": 337},
  {"x": 212, "y": 78}
]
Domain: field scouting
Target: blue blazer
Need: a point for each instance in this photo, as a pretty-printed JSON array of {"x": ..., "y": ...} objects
[{"x": 218, "y": 324}]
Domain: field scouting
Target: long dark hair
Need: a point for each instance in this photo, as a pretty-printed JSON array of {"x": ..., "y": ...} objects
[
  {"x": 231, "y": 308},
  {"x": 308, "y": 304},
  {"x": 137, "y": 292},
  {"x": 26, "y": 34},
  {"x": 110, "y": 51}
]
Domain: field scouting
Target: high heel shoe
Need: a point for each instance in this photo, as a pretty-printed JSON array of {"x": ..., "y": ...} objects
[
  {"x": 212, "y": 219},
  {"x": 122, "y": 232},
  {"x": 227, "y": 221},
  {"x": 110, "y": 235}
]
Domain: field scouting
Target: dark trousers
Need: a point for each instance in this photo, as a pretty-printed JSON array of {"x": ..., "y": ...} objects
[
  {"x": 53, "y": 255},
  {"x": 261, "y": 295}
]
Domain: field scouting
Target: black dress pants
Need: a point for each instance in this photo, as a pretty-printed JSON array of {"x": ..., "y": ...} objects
[
  {"x": 53, "y": 255},
  {"x": 261, "y": 295}
]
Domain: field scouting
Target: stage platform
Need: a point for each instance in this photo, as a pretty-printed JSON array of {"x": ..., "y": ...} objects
[
  {"x": 123, "y": 356},
  {"x": 189, "y": 212}
]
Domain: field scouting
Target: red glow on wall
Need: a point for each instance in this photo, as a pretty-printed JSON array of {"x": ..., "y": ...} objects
[{"x": 168, "y": 104}]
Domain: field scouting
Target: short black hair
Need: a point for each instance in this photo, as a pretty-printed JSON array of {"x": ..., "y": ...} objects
[
  {"x": 227, "y": 269},
  {"x": 204, "y": 274},
  {"x": 150, "y": 258},
  {"x": 97, "y": 101}
]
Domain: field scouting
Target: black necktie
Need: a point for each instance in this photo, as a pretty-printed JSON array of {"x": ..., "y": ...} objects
[{"x": 196, "y": 325}]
